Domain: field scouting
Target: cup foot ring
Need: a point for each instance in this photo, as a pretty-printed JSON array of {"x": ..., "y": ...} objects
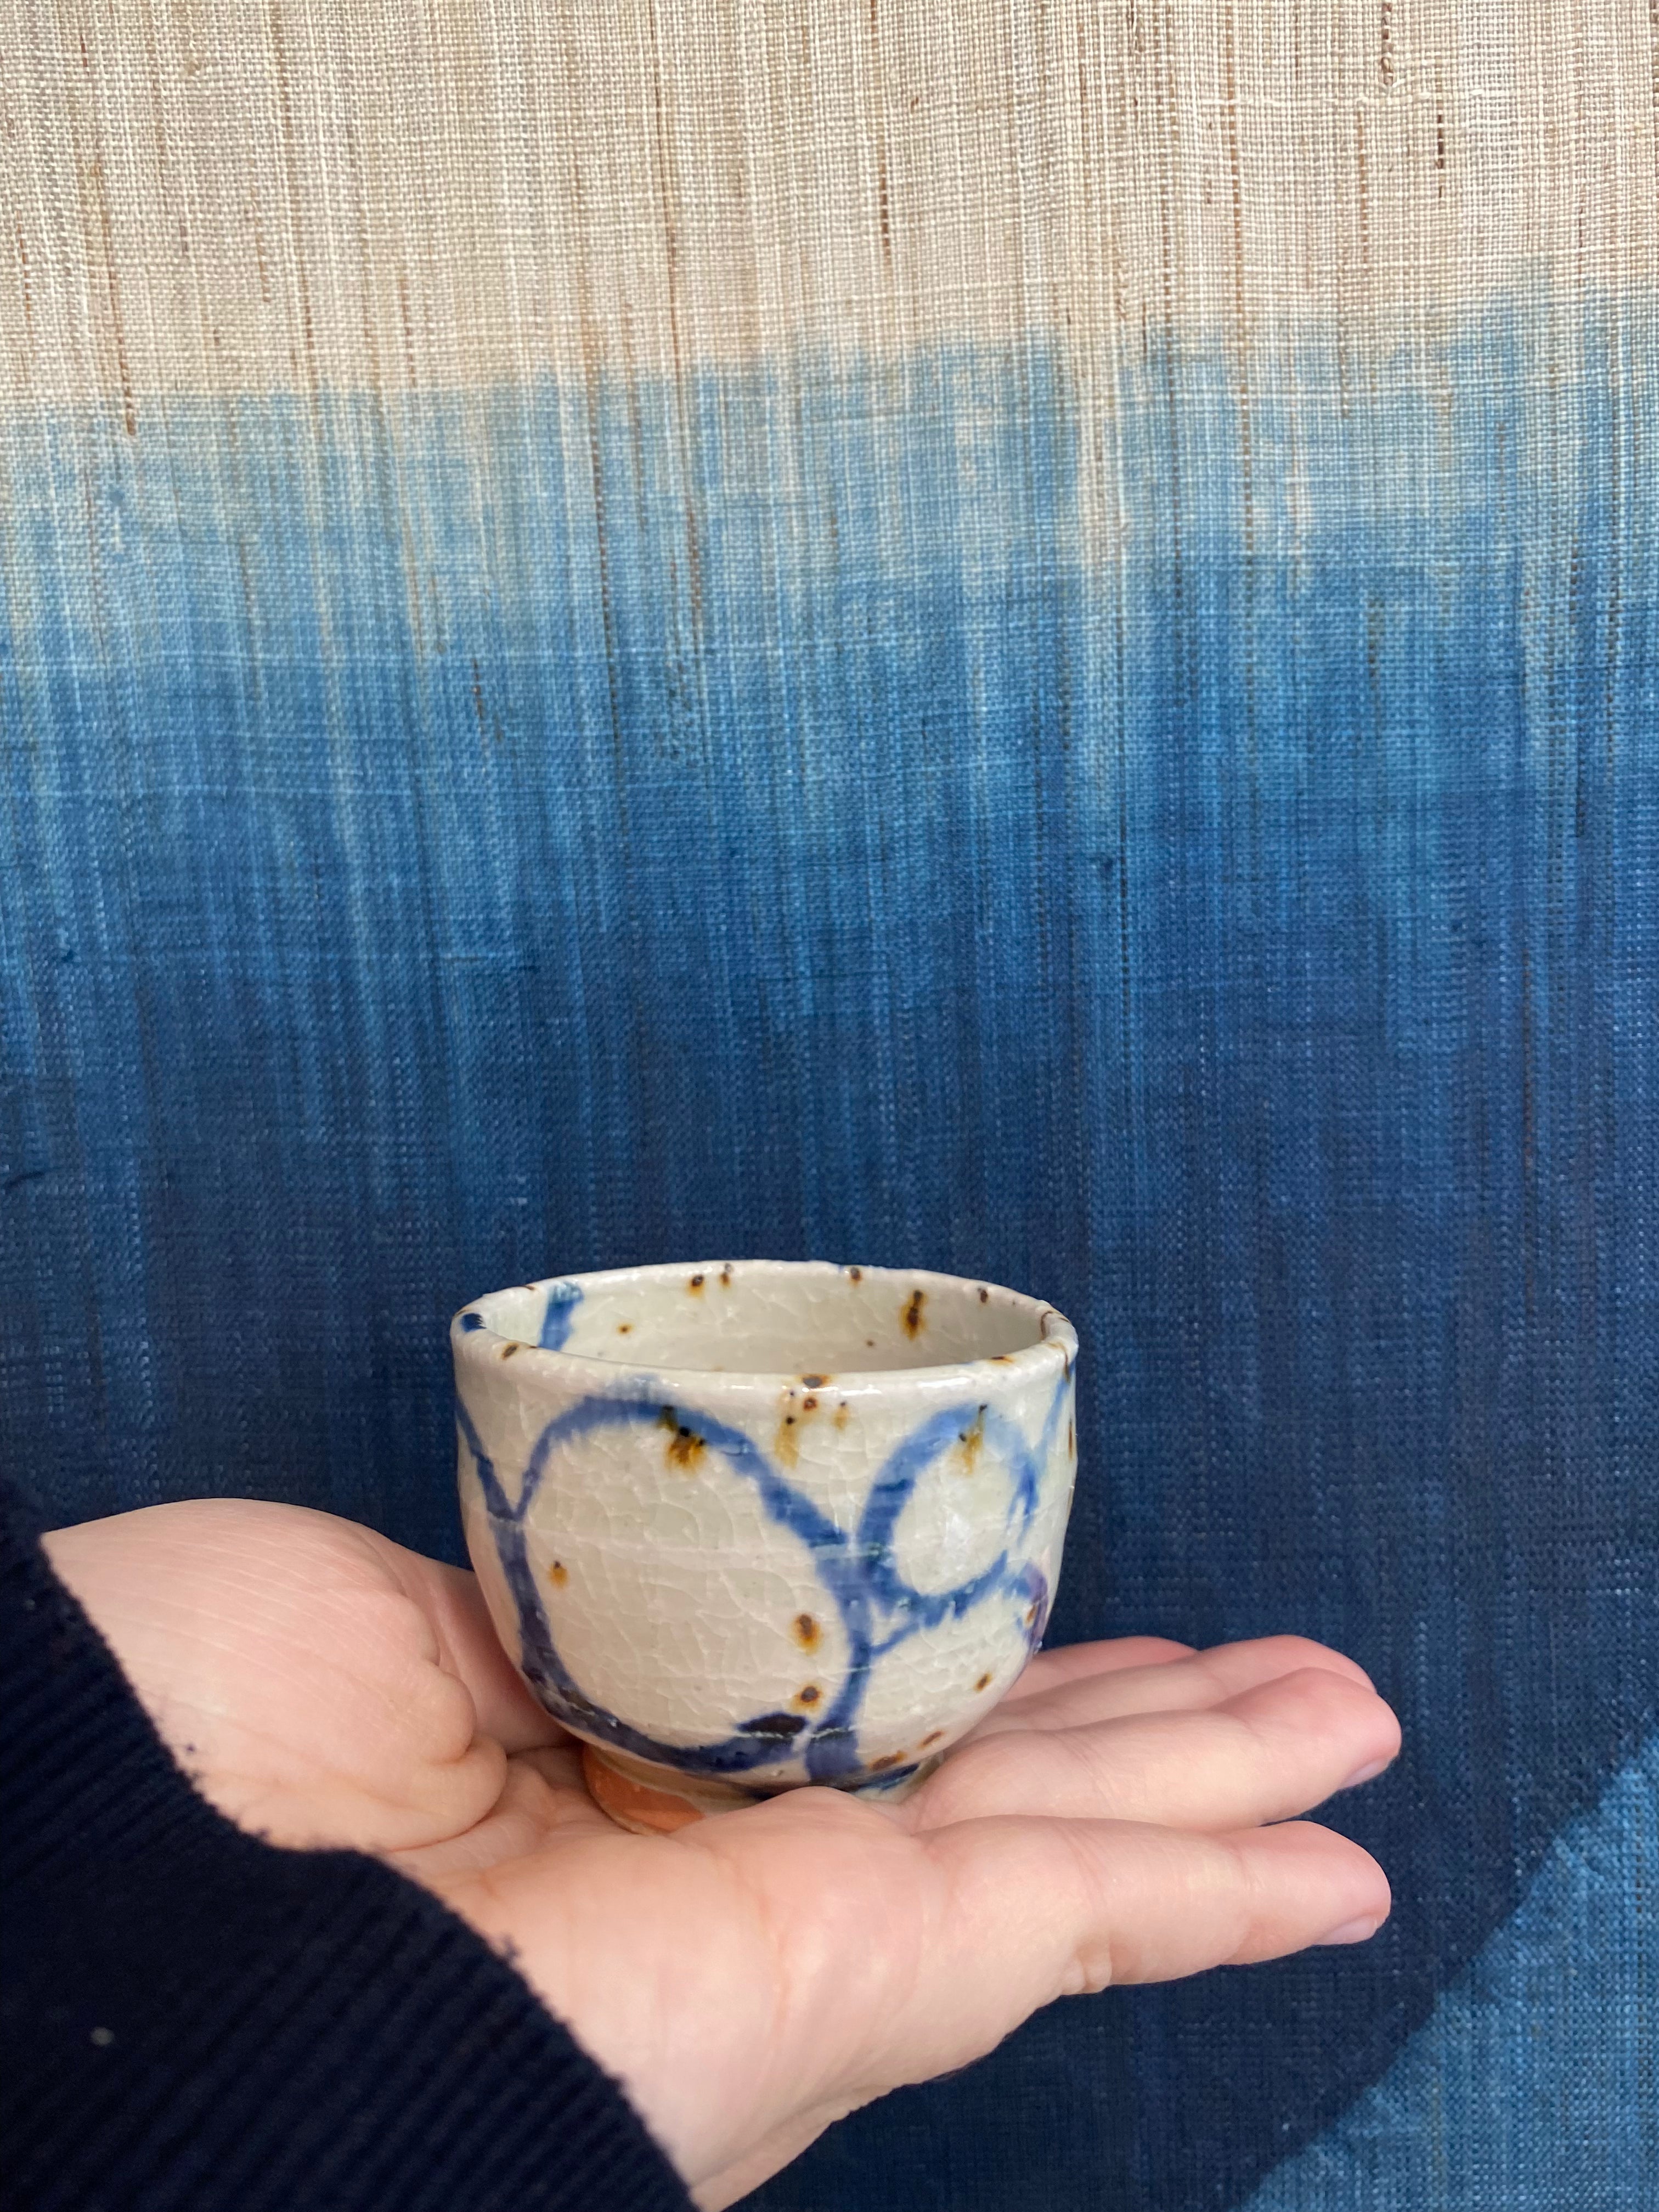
[{"x": 654, "y": 1801}]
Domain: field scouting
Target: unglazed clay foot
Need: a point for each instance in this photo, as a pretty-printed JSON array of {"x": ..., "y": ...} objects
[{"x": 654, "y": 1801}]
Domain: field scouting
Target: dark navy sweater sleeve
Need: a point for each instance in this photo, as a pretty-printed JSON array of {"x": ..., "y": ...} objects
[{"x": 193, "y": 2020}]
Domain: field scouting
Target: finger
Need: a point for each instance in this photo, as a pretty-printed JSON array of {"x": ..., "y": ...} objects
[
  {"x": 1268, "y": 1754},
  {"x": 1192, "y": 1679},
  {"x": 1133, "y": 1902},
  {"x": 470, "y": 1649},
  {"x": 1070, "y": 1662},
  {"x": 1037, "y": 1908},
  {"x": 543, "y": 1797}
]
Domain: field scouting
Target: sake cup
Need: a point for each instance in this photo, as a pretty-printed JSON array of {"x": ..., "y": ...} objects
[{"x": 749, "y": 1525}]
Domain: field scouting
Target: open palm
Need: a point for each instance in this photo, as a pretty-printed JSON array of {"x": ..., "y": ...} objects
[{"x": 1126, "y": 1814}]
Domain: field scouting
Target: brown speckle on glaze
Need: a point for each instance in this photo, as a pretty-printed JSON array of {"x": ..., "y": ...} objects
[
  {"x": 1070, "y": 1439},
  {"x": 969, "y": 1440},
  {"x": 558, "y": 1574},
  {"x": 855, "y": 1274},
  {"x": 926, "y": 1740},
  {"x": 806, "y": 1631},
  {"x": 809, "y": 1405},
  {"x": 888, "y": 1759},
  {"x": 984, "y": 1296},
  {"x": 843, "y": 1414},
  {"x": 1002, "y": 1359},
  {"x": 911, "y": 1315},
  {"x": 624, "y": 1329},
  {"x": 870, "y": 1341},
  {"x": 685, "y": 1447},
  {"x": 725, "y": 1276},
  {"x": 815, "y": 1381},
  {"x": 983, "y": 1683},
  {"x": 695, "y": 1284},
  {"x": 508, "y": 1350},
  {"x": 808, "y": 1695}
]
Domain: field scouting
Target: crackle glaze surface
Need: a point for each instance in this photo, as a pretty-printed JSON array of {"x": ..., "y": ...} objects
[{"x": 767, "y": 1522}]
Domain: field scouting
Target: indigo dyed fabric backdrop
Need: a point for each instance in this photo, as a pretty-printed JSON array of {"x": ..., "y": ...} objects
[{"x": 1013, "y": 638}]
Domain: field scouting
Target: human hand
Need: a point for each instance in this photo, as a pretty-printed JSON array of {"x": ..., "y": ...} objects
[{"x": 1125, "y": 1814}]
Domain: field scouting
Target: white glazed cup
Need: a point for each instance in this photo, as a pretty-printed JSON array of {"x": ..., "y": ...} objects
[{"x": 754, "y": 1524}]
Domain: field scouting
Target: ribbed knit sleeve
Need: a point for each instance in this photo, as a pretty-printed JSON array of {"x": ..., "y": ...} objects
[{"x": 193, "y": 2021}]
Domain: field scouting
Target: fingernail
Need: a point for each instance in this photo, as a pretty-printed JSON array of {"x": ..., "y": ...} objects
[
  {"x": 1352, "y": 1931},
  {"x": 1368, "y": 1773}
]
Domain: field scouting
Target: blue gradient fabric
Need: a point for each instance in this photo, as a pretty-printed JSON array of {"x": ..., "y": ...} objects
[{"x": 929, "y": 635}]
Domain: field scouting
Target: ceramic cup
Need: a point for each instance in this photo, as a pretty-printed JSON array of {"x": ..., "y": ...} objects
[{"x": 750, "y": 1524}]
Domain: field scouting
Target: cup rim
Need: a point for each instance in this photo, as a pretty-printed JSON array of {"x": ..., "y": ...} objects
[{"x": 1056, "y": 1335}]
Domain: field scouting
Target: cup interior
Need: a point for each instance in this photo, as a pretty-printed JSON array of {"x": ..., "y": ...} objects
[{"x": 796, "y": 1318}]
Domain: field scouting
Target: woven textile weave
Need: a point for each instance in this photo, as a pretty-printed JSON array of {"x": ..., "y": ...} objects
[{"x": 947, "y": 632}]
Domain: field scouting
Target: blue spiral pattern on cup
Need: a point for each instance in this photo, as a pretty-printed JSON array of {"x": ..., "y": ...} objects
[{"x": 878, "y": 1608}]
